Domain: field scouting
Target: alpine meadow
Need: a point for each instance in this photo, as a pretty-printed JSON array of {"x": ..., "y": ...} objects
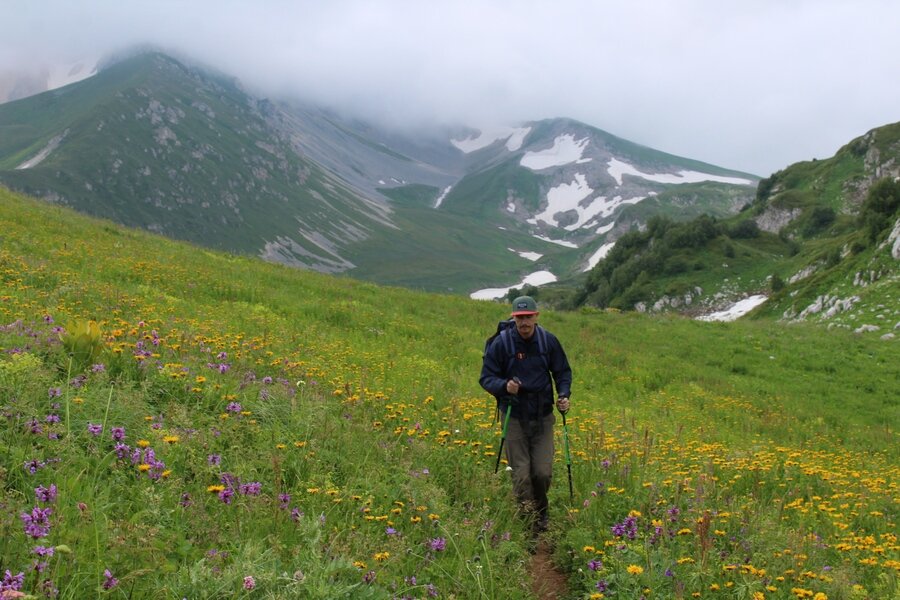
[{"x": 183, "y": 423}]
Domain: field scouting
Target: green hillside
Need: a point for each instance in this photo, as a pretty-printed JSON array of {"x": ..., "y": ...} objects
[
  {"x": 152, "y": 143},
  {"x": 808, "y": 239},
  {"x": 206, "y": 425}
]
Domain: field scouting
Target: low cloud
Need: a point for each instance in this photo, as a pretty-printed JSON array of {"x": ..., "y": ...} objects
[{"x": 752, "y": 86}]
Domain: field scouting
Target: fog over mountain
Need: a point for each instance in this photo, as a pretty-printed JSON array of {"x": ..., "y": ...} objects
[{"x": 755, "y": 86}]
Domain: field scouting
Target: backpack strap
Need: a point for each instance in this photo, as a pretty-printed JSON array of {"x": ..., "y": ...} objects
[
  {"x": 543, "y": 346},
  {"x": 510, "y": 344}
]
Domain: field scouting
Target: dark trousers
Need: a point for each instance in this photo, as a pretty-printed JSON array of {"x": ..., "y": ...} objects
[{"x": 529, "y": 451}]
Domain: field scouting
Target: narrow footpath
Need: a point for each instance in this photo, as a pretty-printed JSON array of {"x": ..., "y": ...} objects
[{"x": 549, "y": 583}]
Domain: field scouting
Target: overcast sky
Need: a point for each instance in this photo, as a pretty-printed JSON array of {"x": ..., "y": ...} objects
[{"x": 753, "y": 85}]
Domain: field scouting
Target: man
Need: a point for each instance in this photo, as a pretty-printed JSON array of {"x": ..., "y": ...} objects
[{"x": 517, "y": 369}]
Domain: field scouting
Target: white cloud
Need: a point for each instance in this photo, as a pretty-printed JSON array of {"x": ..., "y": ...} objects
[{"x": 753, "y": 86}]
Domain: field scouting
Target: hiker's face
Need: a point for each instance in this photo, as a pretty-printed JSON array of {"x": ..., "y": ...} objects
[{"x": 525, "y": 325}]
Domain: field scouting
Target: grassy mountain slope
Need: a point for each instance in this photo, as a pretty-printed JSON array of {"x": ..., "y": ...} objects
[
  {"x": 318, "y": 437},
  {"x": 152, "y": 143},
  {"x": 801, "y": 242}
]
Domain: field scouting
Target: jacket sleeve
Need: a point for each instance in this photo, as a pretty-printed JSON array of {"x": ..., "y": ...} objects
[
  {"x": 560, "y": 369},
  {"x": 493, "y": 370}
]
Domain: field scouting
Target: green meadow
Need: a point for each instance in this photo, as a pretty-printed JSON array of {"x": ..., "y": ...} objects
[{"x": 182, "y": 423}]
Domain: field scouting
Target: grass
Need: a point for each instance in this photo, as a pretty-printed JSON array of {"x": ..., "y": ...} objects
[{"x": 319, "y": 437}]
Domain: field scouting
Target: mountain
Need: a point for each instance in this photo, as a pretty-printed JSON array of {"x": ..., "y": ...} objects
[
  {"x": 165, "y": 145},
  {"x": 821, "y": 241}
]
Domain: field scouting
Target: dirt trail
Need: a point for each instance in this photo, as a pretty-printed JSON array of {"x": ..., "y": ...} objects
[{"x": 549, "y": 583}]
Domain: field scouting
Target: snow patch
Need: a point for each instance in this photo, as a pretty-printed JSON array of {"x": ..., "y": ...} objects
[
  {"x": 617, "y": 169},
  {"x": 606, "y": 228},
  {"x": 537, "y": 278},
  {"x": 564, "y": 198},
  {"x": 511, "y": 207},
  {"x": 565, "y": 150},
  {"x": 437, "y": 203},
  {"x": 604, "y": 208},
  {"x": 532, "y": 256},
  {"x": 52, "y": 145},
  {"x": 599, "y": 255},
  {"x": 739, "y": 309},
  {"x": 514, "y": 136},
  {"x": 558, "y": 242}
]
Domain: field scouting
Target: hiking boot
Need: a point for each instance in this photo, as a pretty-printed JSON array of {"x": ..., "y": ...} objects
[{"x": 541, "y": 525}]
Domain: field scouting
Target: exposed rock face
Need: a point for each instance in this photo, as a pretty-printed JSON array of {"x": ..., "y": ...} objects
[
  {"x": 774, "y": 219},
  {"x": 894, "y": 239},
  {"x": 827, "y": 305}
]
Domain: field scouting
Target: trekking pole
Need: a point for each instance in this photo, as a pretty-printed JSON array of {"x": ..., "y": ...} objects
[
  {"x": 568, "y": 457},
  {"x": 503, "y": 437}
]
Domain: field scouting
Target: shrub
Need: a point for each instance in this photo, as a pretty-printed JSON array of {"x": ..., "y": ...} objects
[
  {"x": 881, "y": 203},
  {"x": 746, "y": 229},
  {"x": 820, "y": 218}
]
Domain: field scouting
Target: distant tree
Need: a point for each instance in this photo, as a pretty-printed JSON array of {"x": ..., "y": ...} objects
[
  {"x": 820, "y": 217},
  {"x": 776, "y": 283},
  {"x": 728, "y": 250},
  {"x": 744, "y": 230}
]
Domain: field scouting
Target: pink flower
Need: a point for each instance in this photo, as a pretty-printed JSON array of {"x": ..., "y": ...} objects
[{"x": 249, "y": 582}]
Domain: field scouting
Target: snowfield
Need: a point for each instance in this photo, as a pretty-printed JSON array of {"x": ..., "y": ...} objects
[
  {"x": 514, "y": 136},
  {"x": 557, "y": 242},
  {"x": 537, "y": 278},
  {"x": 564, "y": 198},
  {"x": 565, "y": 150},
  {"x": 617, "y": 169},
  {"x": 739, "y": 309},
  {"x": 599, "y": 255},
  {"x": 532, "y": 256}
]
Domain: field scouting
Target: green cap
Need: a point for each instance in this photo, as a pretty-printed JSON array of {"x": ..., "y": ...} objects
[{"x": 524, "y": 305}]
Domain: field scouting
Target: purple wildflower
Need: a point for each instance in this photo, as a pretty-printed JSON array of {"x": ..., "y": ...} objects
[
  {"x": 214, "y": 459},
  {"x": 267, "y": 380},
  {"x": 432, "y": 590},
  {"x": 118, "y": 434},
  {"x": 233, "y": 407},
  {"x": 390, "y": 531},
  {"x": 627, "y": 528},
  {"x": 110, "y": 582},
  {"x": 595, "y": 565},
  {"x": 98, "y": 368},
  {"x": 12, "y": 583},
  {"x": 44, "y": 550},
  {"x": 284, "y": 500},
  {"x": 54, "y": 392},
  {"x": 94, "y": 429},
  {"x": 45, "y": 495},
  {"x": 250, "y": 489},
  {"x": 51, "y": 418},
  {"x": 37, "y": 523},
  {"x": 437, "y": 544},
  {"x": 369, "y": 577},
  {"x": 226, "y": 495},
  {"x": 121, "y": 450},
  {"x": 249, "y": 582}
]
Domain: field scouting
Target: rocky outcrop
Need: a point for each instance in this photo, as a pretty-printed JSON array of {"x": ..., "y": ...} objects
[{"x": 774, "y": 219}]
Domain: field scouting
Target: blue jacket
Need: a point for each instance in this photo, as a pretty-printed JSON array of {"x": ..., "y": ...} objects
[{"x": 538, "y": 374}]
